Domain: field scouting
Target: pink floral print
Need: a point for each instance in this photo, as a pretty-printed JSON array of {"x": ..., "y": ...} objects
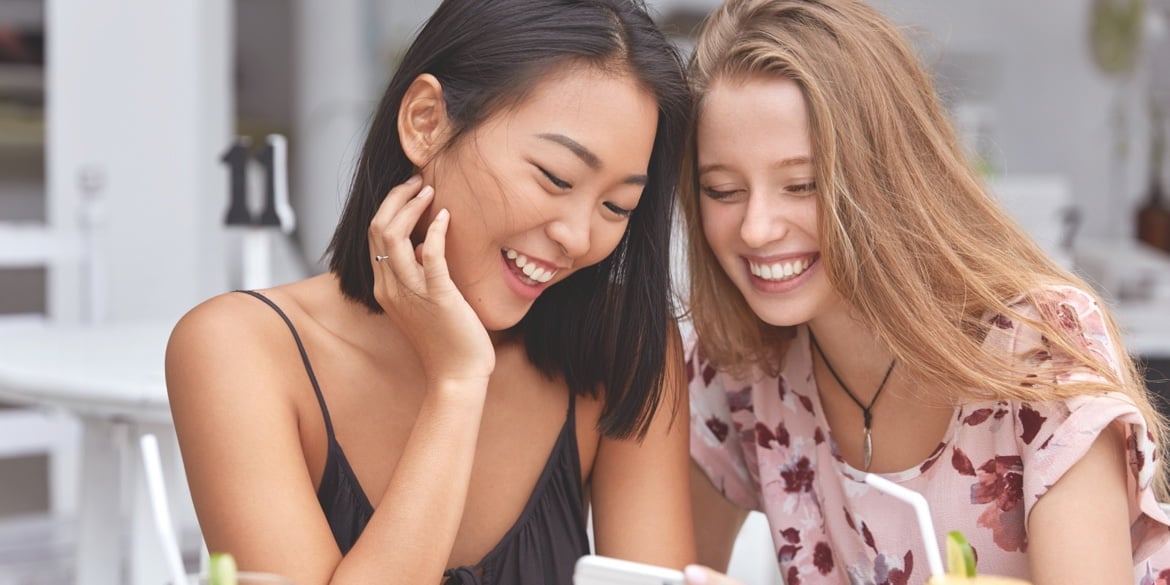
[{"x": 766, "y": 446}]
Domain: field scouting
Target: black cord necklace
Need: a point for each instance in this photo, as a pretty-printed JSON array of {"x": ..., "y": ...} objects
[{"x": 866, "y": 410}]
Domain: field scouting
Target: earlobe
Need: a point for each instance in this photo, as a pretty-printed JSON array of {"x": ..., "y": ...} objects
[{"x": 422, "y": 119}]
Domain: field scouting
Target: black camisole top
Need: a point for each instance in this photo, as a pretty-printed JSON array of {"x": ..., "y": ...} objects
[{"x": 541, "y": 548}]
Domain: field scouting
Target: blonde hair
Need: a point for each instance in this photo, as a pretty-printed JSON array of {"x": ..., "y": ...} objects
[{"x": 909, "y": 236}]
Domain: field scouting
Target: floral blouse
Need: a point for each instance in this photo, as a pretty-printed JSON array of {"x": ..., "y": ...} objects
[{"x": 766, "y": 446}]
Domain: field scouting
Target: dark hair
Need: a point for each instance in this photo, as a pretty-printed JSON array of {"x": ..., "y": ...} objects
[{"x": 605, "y": 327}]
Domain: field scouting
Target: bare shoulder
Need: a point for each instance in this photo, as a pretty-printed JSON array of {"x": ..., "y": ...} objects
[
  {"x": 227, "y": 327},
  {"x": 227, "y": 314},
  {"x": 234, "y": 376},
  {"x": 228, "y": 342}
]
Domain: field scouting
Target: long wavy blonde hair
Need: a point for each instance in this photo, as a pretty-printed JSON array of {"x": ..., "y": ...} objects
[{"x": 910, "y": 237}]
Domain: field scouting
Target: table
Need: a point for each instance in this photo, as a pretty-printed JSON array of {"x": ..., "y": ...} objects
[{"x": 112, "y": 378}]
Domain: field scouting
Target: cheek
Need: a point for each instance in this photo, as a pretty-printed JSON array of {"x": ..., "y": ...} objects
[
  {"x": 720, "y": 225},
  {"x": 809, "y": 219},
  {"x": 605, "y": 240}
]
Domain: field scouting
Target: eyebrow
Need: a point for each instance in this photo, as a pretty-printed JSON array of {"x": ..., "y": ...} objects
[
  {"x": 587, "y": 156},
  {"x": 788, "y": 162}
]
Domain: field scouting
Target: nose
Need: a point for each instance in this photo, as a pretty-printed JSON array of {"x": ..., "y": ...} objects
[
  {"x": 571, "y": 231},
  {"x": 763, "y": 220}
]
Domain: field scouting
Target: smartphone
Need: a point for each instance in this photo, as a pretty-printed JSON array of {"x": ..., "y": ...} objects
[{"x": 599, "y": 570}]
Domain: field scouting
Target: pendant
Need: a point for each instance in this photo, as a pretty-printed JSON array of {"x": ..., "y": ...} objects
[{"x": 868, "y": 448}]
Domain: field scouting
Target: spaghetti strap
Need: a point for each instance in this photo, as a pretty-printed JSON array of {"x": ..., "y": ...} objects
[
  {"x": 572, "y": 409},
  {"x": 304, "y": 358},
  {"x": 540, "y": 546}
]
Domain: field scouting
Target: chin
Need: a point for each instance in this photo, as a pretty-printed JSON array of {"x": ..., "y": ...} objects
[
  {"x": 500, "y": 326},
  {"x": 496, "y": 319},
  {"x": 777, "y": 317},
  {"x": 779, "y": 312}
]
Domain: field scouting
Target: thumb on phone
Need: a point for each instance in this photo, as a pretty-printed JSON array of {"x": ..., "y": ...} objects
[{"x": 699, "y": 575}]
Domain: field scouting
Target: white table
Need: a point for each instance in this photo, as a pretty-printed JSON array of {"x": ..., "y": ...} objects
[{"x": 112, "y": 378}]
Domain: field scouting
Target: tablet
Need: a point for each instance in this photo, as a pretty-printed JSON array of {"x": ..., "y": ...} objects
[{"x": 598, "y": 570}]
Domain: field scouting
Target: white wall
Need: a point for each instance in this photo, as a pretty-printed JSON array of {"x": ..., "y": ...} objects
[
  {"x": 1053, "y": 109},
  {"x": 139, "y": 91},
  {"x": 334, "y": 100}
]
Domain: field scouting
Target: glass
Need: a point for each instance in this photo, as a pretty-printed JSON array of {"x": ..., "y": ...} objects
[
  {"x": 926, "y": 525},
  {"x": 244, "y": 578}
]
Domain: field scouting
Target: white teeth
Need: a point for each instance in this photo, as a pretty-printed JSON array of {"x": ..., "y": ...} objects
[
  {"x": 780, "y": 271},
  {"x": 531, "y": 271}
]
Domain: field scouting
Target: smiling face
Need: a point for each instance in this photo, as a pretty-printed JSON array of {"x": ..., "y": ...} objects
[
  {"x": 758, "y": 197},
  {"x": 544, "y": 188}
]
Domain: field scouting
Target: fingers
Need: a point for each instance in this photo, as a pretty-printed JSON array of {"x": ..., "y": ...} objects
[
  {"x": 698, "y": 575},
  {"x": 394, "y": 200},
  {"x": 390, "y": 206},
  {"x": 396, "y": 237},
  {"x": 434, "y": 249},
  {"x": 390, "y": 228}
]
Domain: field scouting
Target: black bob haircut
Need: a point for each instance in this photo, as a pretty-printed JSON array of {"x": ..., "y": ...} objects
[{"x": 604, "y": 329}]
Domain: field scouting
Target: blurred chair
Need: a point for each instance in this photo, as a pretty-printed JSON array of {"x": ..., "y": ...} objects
[
  {"x": 31, "y": 431},
  {"x": 39, "y": 533},
  {"x": 160, "y": 506}
]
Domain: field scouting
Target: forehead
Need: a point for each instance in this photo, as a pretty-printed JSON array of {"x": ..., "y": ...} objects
[
  {"x": 600, "y": 109},
  {"x": 757, "y": 119}
]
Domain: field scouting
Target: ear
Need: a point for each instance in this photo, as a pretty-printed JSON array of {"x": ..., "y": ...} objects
[{"x": 422, "y": 120}]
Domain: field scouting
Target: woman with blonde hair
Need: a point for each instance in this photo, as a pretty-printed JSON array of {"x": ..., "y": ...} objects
[{"x": 863, "y": 305}]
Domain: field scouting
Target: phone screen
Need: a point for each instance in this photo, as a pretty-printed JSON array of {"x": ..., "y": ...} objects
[{"x": 599, "y": 570}]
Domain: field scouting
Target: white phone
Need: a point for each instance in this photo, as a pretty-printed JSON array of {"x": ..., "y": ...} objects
[{"x": 599, "y": 570}]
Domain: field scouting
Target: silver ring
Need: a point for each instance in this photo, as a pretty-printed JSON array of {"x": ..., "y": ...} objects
[{"x": 379, "y": 258}]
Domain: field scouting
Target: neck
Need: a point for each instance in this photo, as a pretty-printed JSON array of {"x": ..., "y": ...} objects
[
  {"x": 500, "y": 338},
  {"x": 858, "y": 356}
]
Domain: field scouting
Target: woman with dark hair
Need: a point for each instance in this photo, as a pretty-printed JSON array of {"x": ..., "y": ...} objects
[{"x": 492, "y": 349}]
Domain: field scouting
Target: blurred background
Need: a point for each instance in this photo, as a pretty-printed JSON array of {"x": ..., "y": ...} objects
[{"x": 117, "y": 122}]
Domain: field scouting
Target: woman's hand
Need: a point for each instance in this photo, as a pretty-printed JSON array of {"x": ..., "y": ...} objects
[
  {"x": 414, "y": 288},
  {"x": 699, "y": 575}
]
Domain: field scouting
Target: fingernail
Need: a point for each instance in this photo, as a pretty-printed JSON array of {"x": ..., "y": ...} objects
[
  {"x": 413, "y": 180},
  {"x": 442, "y": 214},
  {"x": 426, "y": 192},
  {"x": 695, "y": 575}
]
